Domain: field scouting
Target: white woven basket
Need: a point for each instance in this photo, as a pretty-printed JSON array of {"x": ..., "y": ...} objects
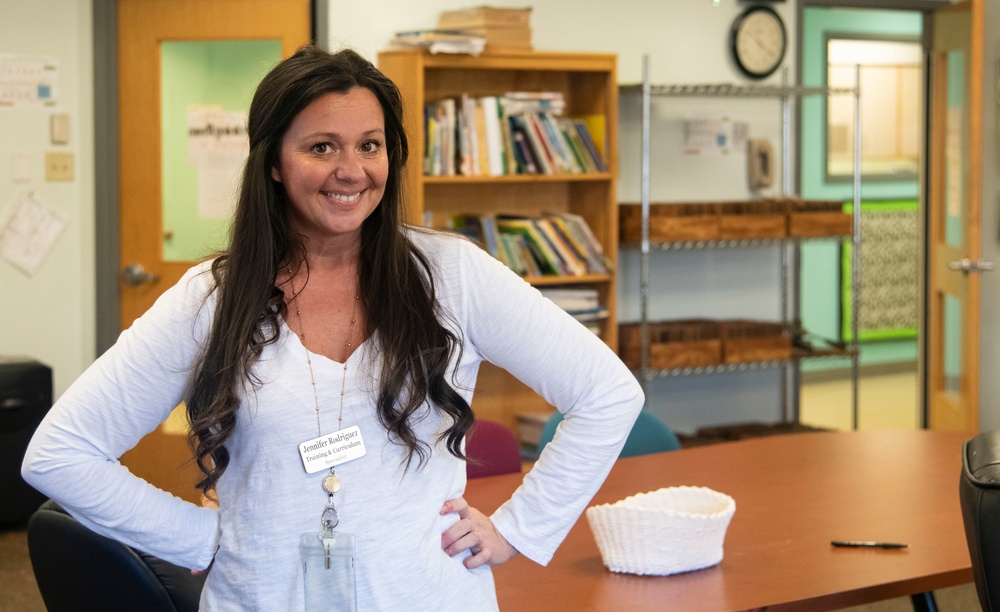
[{"x": 667, "y": 531}]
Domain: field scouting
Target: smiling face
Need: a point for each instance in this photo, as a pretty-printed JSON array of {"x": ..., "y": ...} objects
[{"x": 333, "y": 166}]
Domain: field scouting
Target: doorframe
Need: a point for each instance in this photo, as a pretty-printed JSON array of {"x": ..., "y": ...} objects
[
  {"x": 924, "y": 7},
  {"x": 106, "y": 180},
  {"x": 107, "y": 177}
]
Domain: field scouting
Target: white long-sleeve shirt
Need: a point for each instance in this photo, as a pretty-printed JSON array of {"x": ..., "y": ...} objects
[{"x": 267, "y": 499}]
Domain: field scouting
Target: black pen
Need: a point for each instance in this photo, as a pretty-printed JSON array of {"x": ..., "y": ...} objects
[{"x": 865, "y": 544}]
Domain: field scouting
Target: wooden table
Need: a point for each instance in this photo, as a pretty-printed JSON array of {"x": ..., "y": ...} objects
[{"x": 794, "y": 494}]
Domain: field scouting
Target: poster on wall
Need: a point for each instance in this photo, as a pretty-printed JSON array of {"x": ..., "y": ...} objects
[
  {"x": 889, "y": 306},
  {"x": 705, "y": 135},
  {"x": 217, "y": 148},
  {"x": 30, "y": 231},
  {"x": 28, "y": 81}
]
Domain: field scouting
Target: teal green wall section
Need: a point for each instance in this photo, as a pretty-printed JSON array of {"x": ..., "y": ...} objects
[
  {"x": 221, "y": 73},
  {"x": 817, "y": 24},
  {"x": 820, "y": 260}
]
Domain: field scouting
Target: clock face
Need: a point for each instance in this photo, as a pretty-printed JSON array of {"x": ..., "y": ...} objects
[{"x": 758, "y": 41}]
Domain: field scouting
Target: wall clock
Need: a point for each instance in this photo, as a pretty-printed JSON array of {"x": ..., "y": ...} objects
[{"x": 758, "y": 41}]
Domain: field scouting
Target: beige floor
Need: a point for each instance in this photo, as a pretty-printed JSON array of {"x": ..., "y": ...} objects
[{"x": 889, "y": 401}]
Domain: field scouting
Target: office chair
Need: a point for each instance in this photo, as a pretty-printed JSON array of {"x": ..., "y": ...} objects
[
  {"x": 979, "y": 492},
  {"x": 648, "y": 435},
  {"x": 78, "y": 570},
  {"x": 492, "y": 449}
]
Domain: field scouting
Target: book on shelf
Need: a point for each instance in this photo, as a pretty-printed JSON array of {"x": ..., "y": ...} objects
[
  {"x": 468, "y": 158},
  {"x": 533, "y": 140},
  {"x": 517, "y": 133},
  {"x": 494, "y": 145},
  {"x": 582, "y": 303},
  {"x": 591, "y": 130},
  {"x": 560, "y": 145},
  {"x": 548, "y": 262},
  {"x": 560, "y": 227},
  {"x": 555, "y": 244},
  {"x": 522, "y": 261},
  {"x": 533, "y": 101},
  {"x": 441, "y": 40},
  {"x": 501, "y": 28},
  {"x": 485, "y": 16},
  {"x": 572, "y": 262},
  {"x": 440, "y": 129},
  {"x": 583, "y": 237}
]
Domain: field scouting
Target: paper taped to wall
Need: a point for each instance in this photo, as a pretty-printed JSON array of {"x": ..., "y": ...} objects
[{"x": 30, "y": 231}]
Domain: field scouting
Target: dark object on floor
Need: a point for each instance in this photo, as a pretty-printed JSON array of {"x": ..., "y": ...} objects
[
  {"x": 979, "y": 491},
  {"x": 25, "y": 398},
  {"x": 78, "y": 570},
  {"x": 492, "y": 449},
  {"x": 742, "y": 431}
]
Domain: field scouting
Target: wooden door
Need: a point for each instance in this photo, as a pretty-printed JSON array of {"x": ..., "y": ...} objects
[
  {"x": 159, "y": 238},
  {"x": 954, "y": 204}
]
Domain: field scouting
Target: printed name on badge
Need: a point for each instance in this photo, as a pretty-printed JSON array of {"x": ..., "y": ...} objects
[{"x": 332, "y": 449}]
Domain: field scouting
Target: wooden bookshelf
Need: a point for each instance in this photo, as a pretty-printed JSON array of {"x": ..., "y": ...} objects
[{"x": 589, "y": 84}]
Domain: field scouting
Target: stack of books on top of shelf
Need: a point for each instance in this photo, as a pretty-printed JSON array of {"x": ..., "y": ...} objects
[
  {"x": 557, "y": 244},
  {"x": 440, "y": 41},
  {"x": 504, "y": 29},
  {"x": 518, "y": 133},
  {"x": 580, "y": 302}
]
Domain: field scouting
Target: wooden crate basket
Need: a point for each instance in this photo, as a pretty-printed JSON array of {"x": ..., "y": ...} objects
[
  {"x": 672, "y": 344},
  {"x": 671, "y": 222},
  {"x": 753, "y": 219},
  {"x": 818, "y": 218},
  {"x": 746, "y": 341}
]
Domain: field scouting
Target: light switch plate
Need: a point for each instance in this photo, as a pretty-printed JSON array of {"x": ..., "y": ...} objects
[
  {"x": 59, "y": 128},
  {"x": 58, "y": 166}
]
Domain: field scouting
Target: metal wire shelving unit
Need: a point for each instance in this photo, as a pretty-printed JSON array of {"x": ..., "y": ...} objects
[{"x": 790, "y": 246}]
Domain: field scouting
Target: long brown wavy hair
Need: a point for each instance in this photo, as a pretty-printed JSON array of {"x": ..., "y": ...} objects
[{"x": 396, "y": 281}]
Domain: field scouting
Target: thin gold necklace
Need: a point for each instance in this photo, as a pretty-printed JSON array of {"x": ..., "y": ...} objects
[{"x": 331, "y": 484}]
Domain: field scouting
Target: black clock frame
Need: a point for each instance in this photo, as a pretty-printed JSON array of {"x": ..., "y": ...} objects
[{"x": 734, "y": 31}]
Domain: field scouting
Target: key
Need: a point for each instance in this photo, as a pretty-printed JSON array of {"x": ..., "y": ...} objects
[{"x": 329, "y": 521}]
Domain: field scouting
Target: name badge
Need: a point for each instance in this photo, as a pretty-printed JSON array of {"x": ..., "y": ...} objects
[{"x": 332, "y": 449}]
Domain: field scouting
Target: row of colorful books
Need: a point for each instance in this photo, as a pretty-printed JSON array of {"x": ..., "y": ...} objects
[
  {"x": 518, "y": 133},
  {"x": 556, "y": 244}
]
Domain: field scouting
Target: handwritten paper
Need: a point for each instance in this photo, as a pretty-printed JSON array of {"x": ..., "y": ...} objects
[
  {"x": 218, "y": 149},
  {"x": 29, "y": 232}
]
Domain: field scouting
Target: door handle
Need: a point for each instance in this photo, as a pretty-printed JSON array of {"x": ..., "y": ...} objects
[
  {"x": 975, "y": 266},
  {"x": 135, "y": 274}
]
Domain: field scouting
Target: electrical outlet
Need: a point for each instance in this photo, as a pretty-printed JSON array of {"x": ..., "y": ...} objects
[{"x": 58, "y": 166}]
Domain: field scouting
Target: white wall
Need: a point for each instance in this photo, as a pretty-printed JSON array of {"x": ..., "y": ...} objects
[
  {"x": 50, "y": 316},
  {"x": 687, "y": 38},
  {"x": 687, "y": 42}
]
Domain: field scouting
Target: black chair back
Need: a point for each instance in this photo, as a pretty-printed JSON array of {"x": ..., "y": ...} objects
[
  {"x": 979, "y": 492},
  {"x": 78, "y": 570}
]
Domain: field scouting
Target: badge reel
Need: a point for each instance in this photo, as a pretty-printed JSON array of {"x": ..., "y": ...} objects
[{"x": 328, "y": 555}]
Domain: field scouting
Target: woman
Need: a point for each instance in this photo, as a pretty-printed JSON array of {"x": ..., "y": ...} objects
[{"x": 327, "y": 323}]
